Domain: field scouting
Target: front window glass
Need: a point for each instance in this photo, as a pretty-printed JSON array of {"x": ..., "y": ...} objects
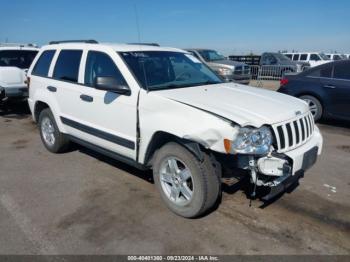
[
  {"x": 211, "y": 55},
  {"x": 99, "y": 64},
  {"x": 281, "y": 57},
  {"x": 17, "y": 58},
  {"x": 315, "y": 57},
  {"x": 156, "y": 70}
]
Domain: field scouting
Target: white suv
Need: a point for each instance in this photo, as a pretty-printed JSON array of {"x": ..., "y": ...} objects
[
  {"x": 161, "y": 108},
  {"x": 15, "y": 59},
  {"x": 313, "y": 58}
]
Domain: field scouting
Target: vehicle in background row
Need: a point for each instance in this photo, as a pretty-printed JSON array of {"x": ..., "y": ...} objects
[
  {"x": 335, "y": 57},
  {"x": 15, "y": 59},
  {"x": 326, "y": 89},
  {"x": 273, "y": 65},
  {"x": 228, "y": 70},
  {"x": 162, "y": 109},
  {"x": 313, "y": 58}
]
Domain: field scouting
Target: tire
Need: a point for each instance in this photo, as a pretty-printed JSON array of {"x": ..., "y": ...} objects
[
  {"x": 204, "y": 183},
  {"x": 315, "y": 106},
  {"x": 59, "y": 142}
]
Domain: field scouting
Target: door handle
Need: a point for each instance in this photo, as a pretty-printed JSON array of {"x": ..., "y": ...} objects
[
  {"x": 329, "y": 86},
  {"x": 52, "y": 88},
  {"x": 86, "y": 98}
]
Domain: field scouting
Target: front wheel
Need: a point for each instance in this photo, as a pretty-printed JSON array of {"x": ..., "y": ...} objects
[
  {"x": 188, "y": 187},
  {"x": 314, "y": 105}
]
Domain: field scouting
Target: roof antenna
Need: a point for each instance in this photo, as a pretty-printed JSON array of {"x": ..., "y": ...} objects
[{"x": 139, "y": 40}]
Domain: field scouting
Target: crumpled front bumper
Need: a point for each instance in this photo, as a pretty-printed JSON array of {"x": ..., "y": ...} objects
[{"x": 299, "y": 160}]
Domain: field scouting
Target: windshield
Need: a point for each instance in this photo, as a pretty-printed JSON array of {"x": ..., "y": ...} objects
[
  {"x": 18, "y": 58},
  {"x": 156, "y": 70},
  {"x": 281, "y": 57},
  {"x": 324, "y": 57},
  {"x": 211, "y": 55}
]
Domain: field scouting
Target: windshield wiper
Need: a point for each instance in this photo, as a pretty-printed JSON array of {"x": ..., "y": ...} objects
[{"x": 171, "y": 86}]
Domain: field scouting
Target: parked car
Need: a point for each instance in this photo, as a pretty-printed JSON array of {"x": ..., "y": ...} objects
[
  {"x": 15, "y": 60},
  {"x": 313, "y": 58},
  {"x": 326, "y": 89},
  {"x": 335, "y": 57},
  {"x": 270, "y": 64},
  {"x": 228, "y": 70},
  {"x": 162, "y": 109}
]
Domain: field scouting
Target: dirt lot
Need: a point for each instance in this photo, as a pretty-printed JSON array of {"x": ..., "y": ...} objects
[{"x": 83, "y": 203}]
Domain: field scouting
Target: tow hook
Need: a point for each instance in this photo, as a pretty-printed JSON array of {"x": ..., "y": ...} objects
[{"x": 254, "y": 176}]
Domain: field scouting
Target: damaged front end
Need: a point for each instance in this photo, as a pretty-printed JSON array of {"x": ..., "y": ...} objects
[{"x": 255, "y": 151}]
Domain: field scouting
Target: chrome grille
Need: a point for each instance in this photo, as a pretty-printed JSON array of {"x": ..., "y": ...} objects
[{"x": 294, "y": 133}]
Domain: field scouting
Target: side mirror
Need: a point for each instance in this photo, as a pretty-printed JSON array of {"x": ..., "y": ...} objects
[{"x": 110, "y": 84}]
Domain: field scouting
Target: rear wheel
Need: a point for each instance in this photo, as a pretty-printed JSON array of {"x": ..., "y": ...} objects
[
  {"x": 314, "y": 105},
  {"x": 52, "y": 138},
  {"x": 188, "y": 187}
]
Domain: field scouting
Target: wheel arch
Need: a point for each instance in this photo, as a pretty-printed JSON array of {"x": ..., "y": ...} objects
[
  {"x": 38, "y": 108},
  {"x": 160, "y": 138}
]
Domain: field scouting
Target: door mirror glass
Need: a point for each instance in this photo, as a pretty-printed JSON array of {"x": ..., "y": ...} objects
[{"x": 110, "y": 84}]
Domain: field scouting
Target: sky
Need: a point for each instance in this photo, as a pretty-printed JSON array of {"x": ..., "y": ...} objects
[{"x": 230, "y": 26}]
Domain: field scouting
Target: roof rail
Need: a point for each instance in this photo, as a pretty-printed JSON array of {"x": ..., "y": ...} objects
[
  {"x": 150, "y": 44},
  {"x": 18, "y": 44},
  {"x": 90, "y": 41}
]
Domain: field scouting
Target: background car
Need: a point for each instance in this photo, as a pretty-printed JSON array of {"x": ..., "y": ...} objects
[
  {"x": 15, "y": 59},
  {"x": 228, "y": 70},
  {"x": 326, "y": 88},
  {"x": 313, "y": 58},
  {"x": 336, "y": 56}
]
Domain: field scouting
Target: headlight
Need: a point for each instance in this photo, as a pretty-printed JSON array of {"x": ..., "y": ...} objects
[
  {"x": 252, "y": 141},
  {"x": 225, "y": 71}
]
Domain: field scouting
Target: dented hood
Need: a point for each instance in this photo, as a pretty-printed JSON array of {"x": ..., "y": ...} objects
[{"x": 241, "y": 104}]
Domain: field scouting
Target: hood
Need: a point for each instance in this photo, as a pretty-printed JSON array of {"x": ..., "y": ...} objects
[
  {"x": 226, "y": 62},
  {"x": 244, "y": 105}
]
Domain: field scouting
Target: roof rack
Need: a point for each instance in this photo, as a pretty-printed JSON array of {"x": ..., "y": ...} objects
[
  {"x": 91, "y": 41},
  {"x": 18, "y": 44},
  {"x": 150, "y": 44}
]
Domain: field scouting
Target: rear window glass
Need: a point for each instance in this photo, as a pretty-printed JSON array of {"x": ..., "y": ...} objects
[
  {"x": 67, "y": 65},
  {"x": 296, "y": 57},
  {"x": 325, "y": 71},
  {"x": 342, "y": 71},
  {"x": 41, "y": 67},
  {"x": 17, "y": 58},
  {"x": 303, "y": 57}
]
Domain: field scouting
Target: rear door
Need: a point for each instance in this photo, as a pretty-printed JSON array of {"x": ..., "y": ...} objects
[{"x": 337, "y": 89}]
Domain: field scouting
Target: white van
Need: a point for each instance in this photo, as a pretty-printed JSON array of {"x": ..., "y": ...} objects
[
  {"x": 336, "y": 56},
  {"x": 314, "y": 58}
]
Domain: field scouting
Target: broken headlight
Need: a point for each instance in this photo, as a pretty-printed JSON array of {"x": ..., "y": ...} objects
[{"x": 252, "y": 141}]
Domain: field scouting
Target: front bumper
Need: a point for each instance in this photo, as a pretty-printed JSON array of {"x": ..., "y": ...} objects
[
  {"x": 13, "y": 92},
  {"x": 275, "y": 168}
]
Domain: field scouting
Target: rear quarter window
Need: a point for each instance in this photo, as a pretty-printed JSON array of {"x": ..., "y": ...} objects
[
  {"x": 67, "y": 65},
  {"x": 42, "y": 66},
  {"x": 325, "y": 71}
]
